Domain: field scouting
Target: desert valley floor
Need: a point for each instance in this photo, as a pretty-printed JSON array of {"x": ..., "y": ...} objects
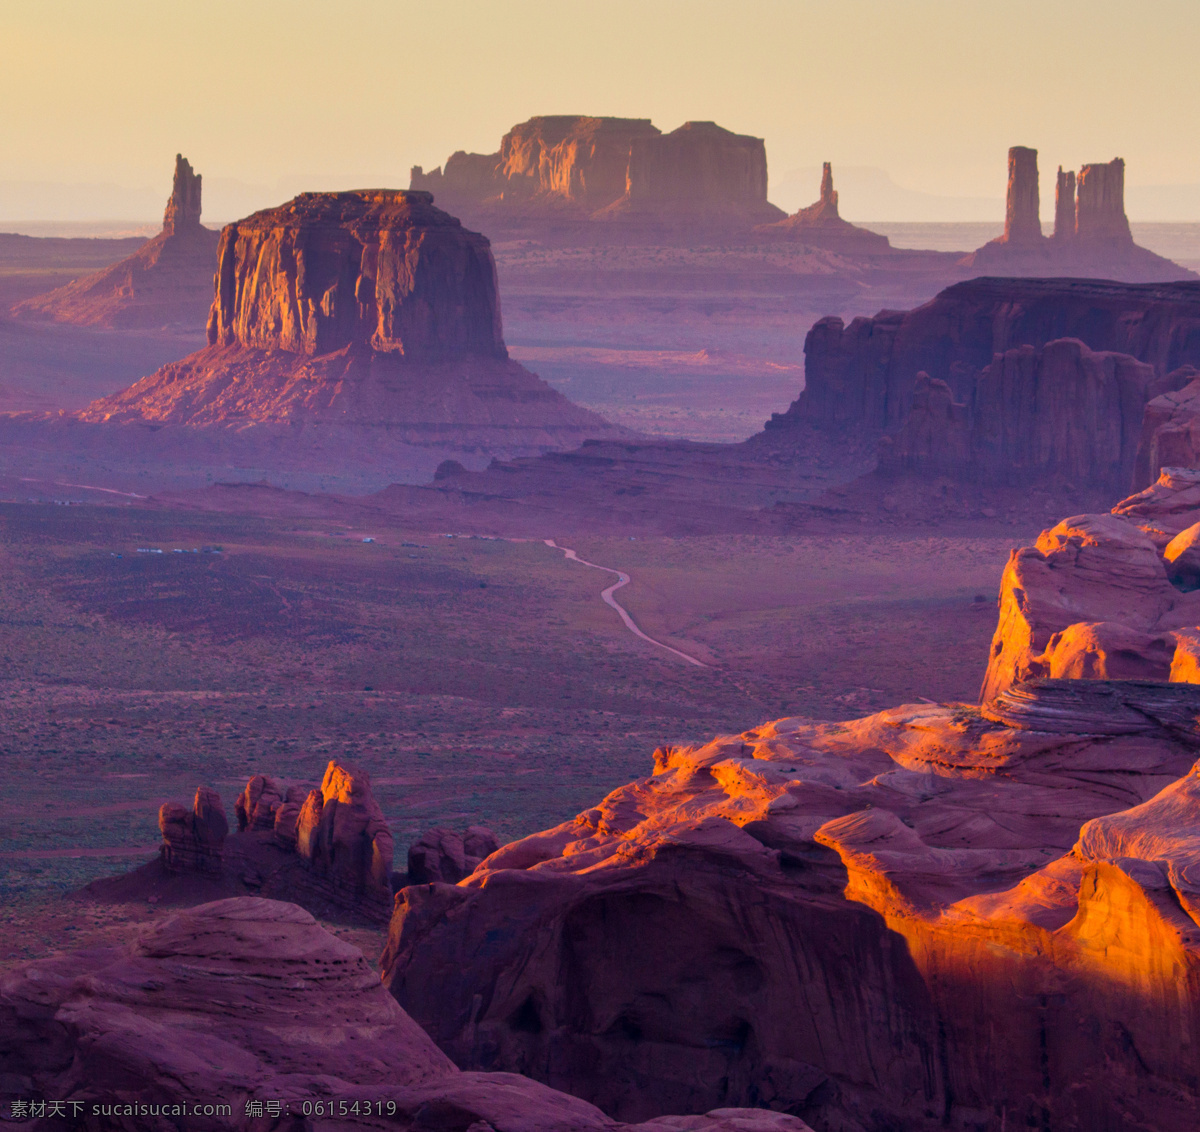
[{"x": 479, "y": 680}]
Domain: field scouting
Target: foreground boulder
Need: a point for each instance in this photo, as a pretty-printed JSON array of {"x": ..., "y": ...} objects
[
  {"x": 245, "y": 1013},
  {"x": 908, "y": 921},
  {"x": 447, "y": 856},
  {"x": 1105, "y": 596},
  {"x": 166, "y": 283}
]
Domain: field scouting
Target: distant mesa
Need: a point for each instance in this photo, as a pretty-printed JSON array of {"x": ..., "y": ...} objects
[
  {"x": 998, "y": 379},
  {"x": 820, "y": 226},
  {"x": 370, "y": 309},
  {"x": 566, "y": 167},
  {"x": 166, "y": 283},
  {"x": 1091, "y": 237}
]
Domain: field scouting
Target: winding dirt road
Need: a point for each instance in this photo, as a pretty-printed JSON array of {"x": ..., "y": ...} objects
[{"x": 608, "y": 599}]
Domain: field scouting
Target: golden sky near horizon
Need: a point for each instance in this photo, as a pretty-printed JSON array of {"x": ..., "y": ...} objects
[{"x": 933, "y": 91}]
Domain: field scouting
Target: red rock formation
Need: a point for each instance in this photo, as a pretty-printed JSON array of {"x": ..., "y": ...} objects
[
  {"x": 369, "y": 310},
  {"x": 624, "y": 169},
  {"x": 1100, "y": 211},
  {"x": 699, "y": 169},
  {"x": 1170, "y": 429},
  {"x": 446, "y": 856},
  {"x": 342, "y": 835},
  {"x": 1105, "y": 596},
  {"x": 1059, "y": 410},
  {"x": 383, "y": 270},
  {"x": 1022, "y": 221},
  {"x": 1091, "y": 234},
  {"x": 860, "y": 377},
  {"x": 1064, "y": 206},
  {"x": 847, "y": 921},
  {"x": 820, "y": 226},
  {"x": 167, "y": 282},
  {"x": 249, "y": 1002},
  {"x": 194, "y": 840}
]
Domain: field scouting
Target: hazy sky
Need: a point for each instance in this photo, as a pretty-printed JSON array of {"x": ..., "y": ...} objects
[{"x": 933, "y": 91}]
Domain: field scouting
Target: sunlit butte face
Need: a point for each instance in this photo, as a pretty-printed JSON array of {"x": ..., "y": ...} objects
[{"x": 933, "y": 91}]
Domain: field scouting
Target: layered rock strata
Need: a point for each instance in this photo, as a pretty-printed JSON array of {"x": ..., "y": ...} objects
[
  {"x": 848, "y": 921},
  {"x": 1106, "y": 597},
  {"x": 860, "y": 378},
  {"x": 1060, "y": 410},
  {"x": 371, "y": 310},
  {"x": 616, "y": 169},
  {"x": 247, "y": 1014},
  {"x": 194, "y": 840},
  {"x": 166, "y": 283},
  {"x": 1091, "y": 232},
  {"x": 821, "y": 226}
]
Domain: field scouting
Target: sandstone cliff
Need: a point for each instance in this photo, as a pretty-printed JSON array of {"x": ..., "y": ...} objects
[
  {"x": 940, "y": 916},
  {"x": 1059, "y": 410},
  {"x": 860, "y": 377},
  {"x": 1091, "y": 233},
  {"x": 371, "y": 310},
  {"x": 820, "y": 226},
  {"x": 562, "y": 168},
  {"x": 247, "y": 1014},
  {"x": 1106, "y": 597},
  {"x": 167, "y": 282}
]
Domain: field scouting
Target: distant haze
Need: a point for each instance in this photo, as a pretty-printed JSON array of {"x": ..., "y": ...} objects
[{"x": 915, "y": 102}]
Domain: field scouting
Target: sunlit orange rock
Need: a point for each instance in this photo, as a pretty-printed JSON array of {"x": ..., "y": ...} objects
[
  {"x": 911, "y": 920},
  {"x": 1105, "y": 596},
  {"x": 166, "y": 283}
]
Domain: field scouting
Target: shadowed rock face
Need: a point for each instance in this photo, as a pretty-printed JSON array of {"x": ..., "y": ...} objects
[
  {"x": 861, "y": 376},
  {"x": 193, "y": 841},
  {"x": 849, "y": 921},
  {"x": 1059, "y": 410},
  {"x": 247, "y": 1000},
  {"x": 380, "y": 270},
  {"x": 1100, "y": 210},
  {"x": 166, "y": 283}
]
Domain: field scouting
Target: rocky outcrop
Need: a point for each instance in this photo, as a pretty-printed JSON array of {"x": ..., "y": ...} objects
[
  {"x": 1170, "y": 435},
  {"x": 561, "y": 168},
  {"x": 697, "y": 172},
  {"x": 1064, "y": 206},
  {"x": 847, "y": 921},
  {"x": 820, "y": 226},
  {"x": 1060, "y": 410},
  {"x": 1100, "y": 207},
  {"x": 166, "y": 283},
  {"x": 384, "y": 271},
  {"x": 244, "y": 1014},
  {"x": 1022, "y": 219},
  {"x": 194, "y": 840},
  {"x": 1105, "y": 597},
  {"x": 1091, "y": 233},
  {"x": 372, "y": 311},
  {"x": 447, "y": 856},
  {"x": 859, "y": 377},
  {"x": 342, "y": 836}
]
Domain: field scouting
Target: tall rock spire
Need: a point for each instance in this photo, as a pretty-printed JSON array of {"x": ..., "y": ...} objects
[
  {"x": 1022, "y": 223},
  {"x": 1064, "y": 205},
  {"x": 1100, "y": 211},
  {"x": 183, "y": 209}
]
